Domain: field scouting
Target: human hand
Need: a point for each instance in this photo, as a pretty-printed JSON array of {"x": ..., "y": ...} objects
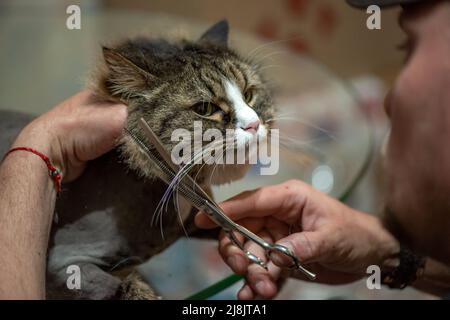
[
  {"x": 335, "y": 241},
  {"x": 77, "y": 130}
]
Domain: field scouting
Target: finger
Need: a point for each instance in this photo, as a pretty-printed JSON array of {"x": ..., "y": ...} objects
[
  {"x": 308, "y": 247},
  {"x": 117, "y": 115},
  {"x": 231, "y": 253},
  {"x": 277, "y": 229},
  {"x": 203, "y": 221},
  {"x": 233, "y": 256},
  {"x": 283, "y": 200},
  {"x": 246, "y": 293},
  {"x": 257, "y": 250},
  {"x": 97, "y": 139},
  {"x": 262, "y": 281}
]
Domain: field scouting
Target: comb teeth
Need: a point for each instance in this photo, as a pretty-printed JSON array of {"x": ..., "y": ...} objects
[
  {"x": 164, "y": 169},
  {"x": 167, "y": 172}
]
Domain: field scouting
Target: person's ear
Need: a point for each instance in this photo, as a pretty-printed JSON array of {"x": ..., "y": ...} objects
[
  {"x": 217, "y": 34},
  {"x": 124, "y": 76}
]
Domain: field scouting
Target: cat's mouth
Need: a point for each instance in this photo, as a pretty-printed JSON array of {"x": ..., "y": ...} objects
[
  {"x": 207, "y": 166},
  {"x": 217, "y": 162},
  {"x": 247, "y": 136}
]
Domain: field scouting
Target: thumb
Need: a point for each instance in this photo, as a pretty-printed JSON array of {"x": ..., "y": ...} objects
[
  {"x": 101, "y": 129},
  {"x": 203, "y": 221},
  {"x": 307, "y": 246}
]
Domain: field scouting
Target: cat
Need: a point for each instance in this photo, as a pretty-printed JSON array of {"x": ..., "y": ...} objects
[{"x": 103, "y": 220}]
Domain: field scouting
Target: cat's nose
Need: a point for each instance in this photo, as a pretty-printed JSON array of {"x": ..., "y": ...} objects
[{"x": 252, "y": 127}]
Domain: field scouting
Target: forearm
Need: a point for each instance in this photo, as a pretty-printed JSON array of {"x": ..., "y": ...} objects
[
  {"x": 27, "y": 198},
  {"x": 435, "y": 279},
  {"x": 76, "y": 131}
]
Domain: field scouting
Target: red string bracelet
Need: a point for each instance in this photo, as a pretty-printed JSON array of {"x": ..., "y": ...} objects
[{"x": 53, "y": 172}]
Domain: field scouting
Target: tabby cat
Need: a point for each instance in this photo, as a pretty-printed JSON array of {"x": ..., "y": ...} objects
[{"x": 104, "y": 219}]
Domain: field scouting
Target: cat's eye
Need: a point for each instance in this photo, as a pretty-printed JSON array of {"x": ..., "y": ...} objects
[
  {"x": 248, "y": 95},
  {"x": 205, "y": 109}
]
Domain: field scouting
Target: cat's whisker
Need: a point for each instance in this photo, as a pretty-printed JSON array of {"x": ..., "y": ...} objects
[
  {"x": 124, "y": 260},
  {"x": 227, "y": 147},
  {"x": 176, "y": 200},
  {"x": 157, "y": 215},
  {"x": 177, "y": 179},
  {"x": 267, "y": 44},
  {"x": 187, "y": 168},
  {"x": 310, "y": 125},
  {"x": 218, "y": 155},
  {"x": 157, "y": 212},
  {"x": 198, "y": 172},
  {"x": 211, "y": 146},
  {"x": 270, "y": 55},
  {"x": 271, "y": 66},
  {"x": 161, "y": 228},
  {"x": 215, "y": 156},
  {"x": 286, "y": 114},
  {"x": 215, "y": 159},
  {"x": 304, "y": 149},
  {"x": 308, "y": 149},
  {"x": 180, "y": 175},
  {"x": 304, "y": 142},
  {"x": 214, "y": 169}
]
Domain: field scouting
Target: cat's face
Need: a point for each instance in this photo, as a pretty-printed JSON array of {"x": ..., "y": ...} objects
[{"x": 173, "y": 85}]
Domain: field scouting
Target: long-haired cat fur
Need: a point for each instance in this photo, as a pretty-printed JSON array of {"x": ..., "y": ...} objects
[{"x": 103, "y": 220}]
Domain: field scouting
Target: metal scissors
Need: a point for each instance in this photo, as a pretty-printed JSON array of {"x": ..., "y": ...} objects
[{"x": 202, "y": 201}]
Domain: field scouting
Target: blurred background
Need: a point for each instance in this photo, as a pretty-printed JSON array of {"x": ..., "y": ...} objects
[{"x": 332, "y": 74}]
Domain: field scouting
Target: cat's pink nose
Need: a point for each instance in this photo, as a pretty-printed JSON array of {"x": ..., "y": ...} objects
[{"x": 252, "y": 127}]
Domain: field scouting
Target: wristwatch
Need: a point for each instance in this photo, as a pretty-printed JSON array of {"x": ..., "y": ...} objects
[{"x": 410, "y": 268}]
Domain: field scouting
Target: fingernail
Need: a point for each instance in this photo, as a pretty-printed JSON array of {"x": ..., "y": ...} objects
[{"x": 245, "y": 293}]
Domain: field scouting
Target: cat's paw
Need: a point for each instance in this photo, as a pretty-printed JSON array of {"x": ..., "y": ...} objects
[{"x": 133, "y": 287}]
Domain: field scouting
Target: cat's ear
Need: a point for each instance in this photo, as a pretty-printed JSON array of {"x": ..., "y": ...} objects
[
  {"x": 217, "y": 34},
  {"x": 124, "y": 77}
]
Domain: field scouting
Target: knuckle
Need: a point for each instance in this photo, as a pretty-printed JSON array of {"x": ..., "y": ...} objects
[
  {"x": 295, "y": 189},
  {"x": 310, "y": 249},
  {"x": 294, "y": 196}
]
